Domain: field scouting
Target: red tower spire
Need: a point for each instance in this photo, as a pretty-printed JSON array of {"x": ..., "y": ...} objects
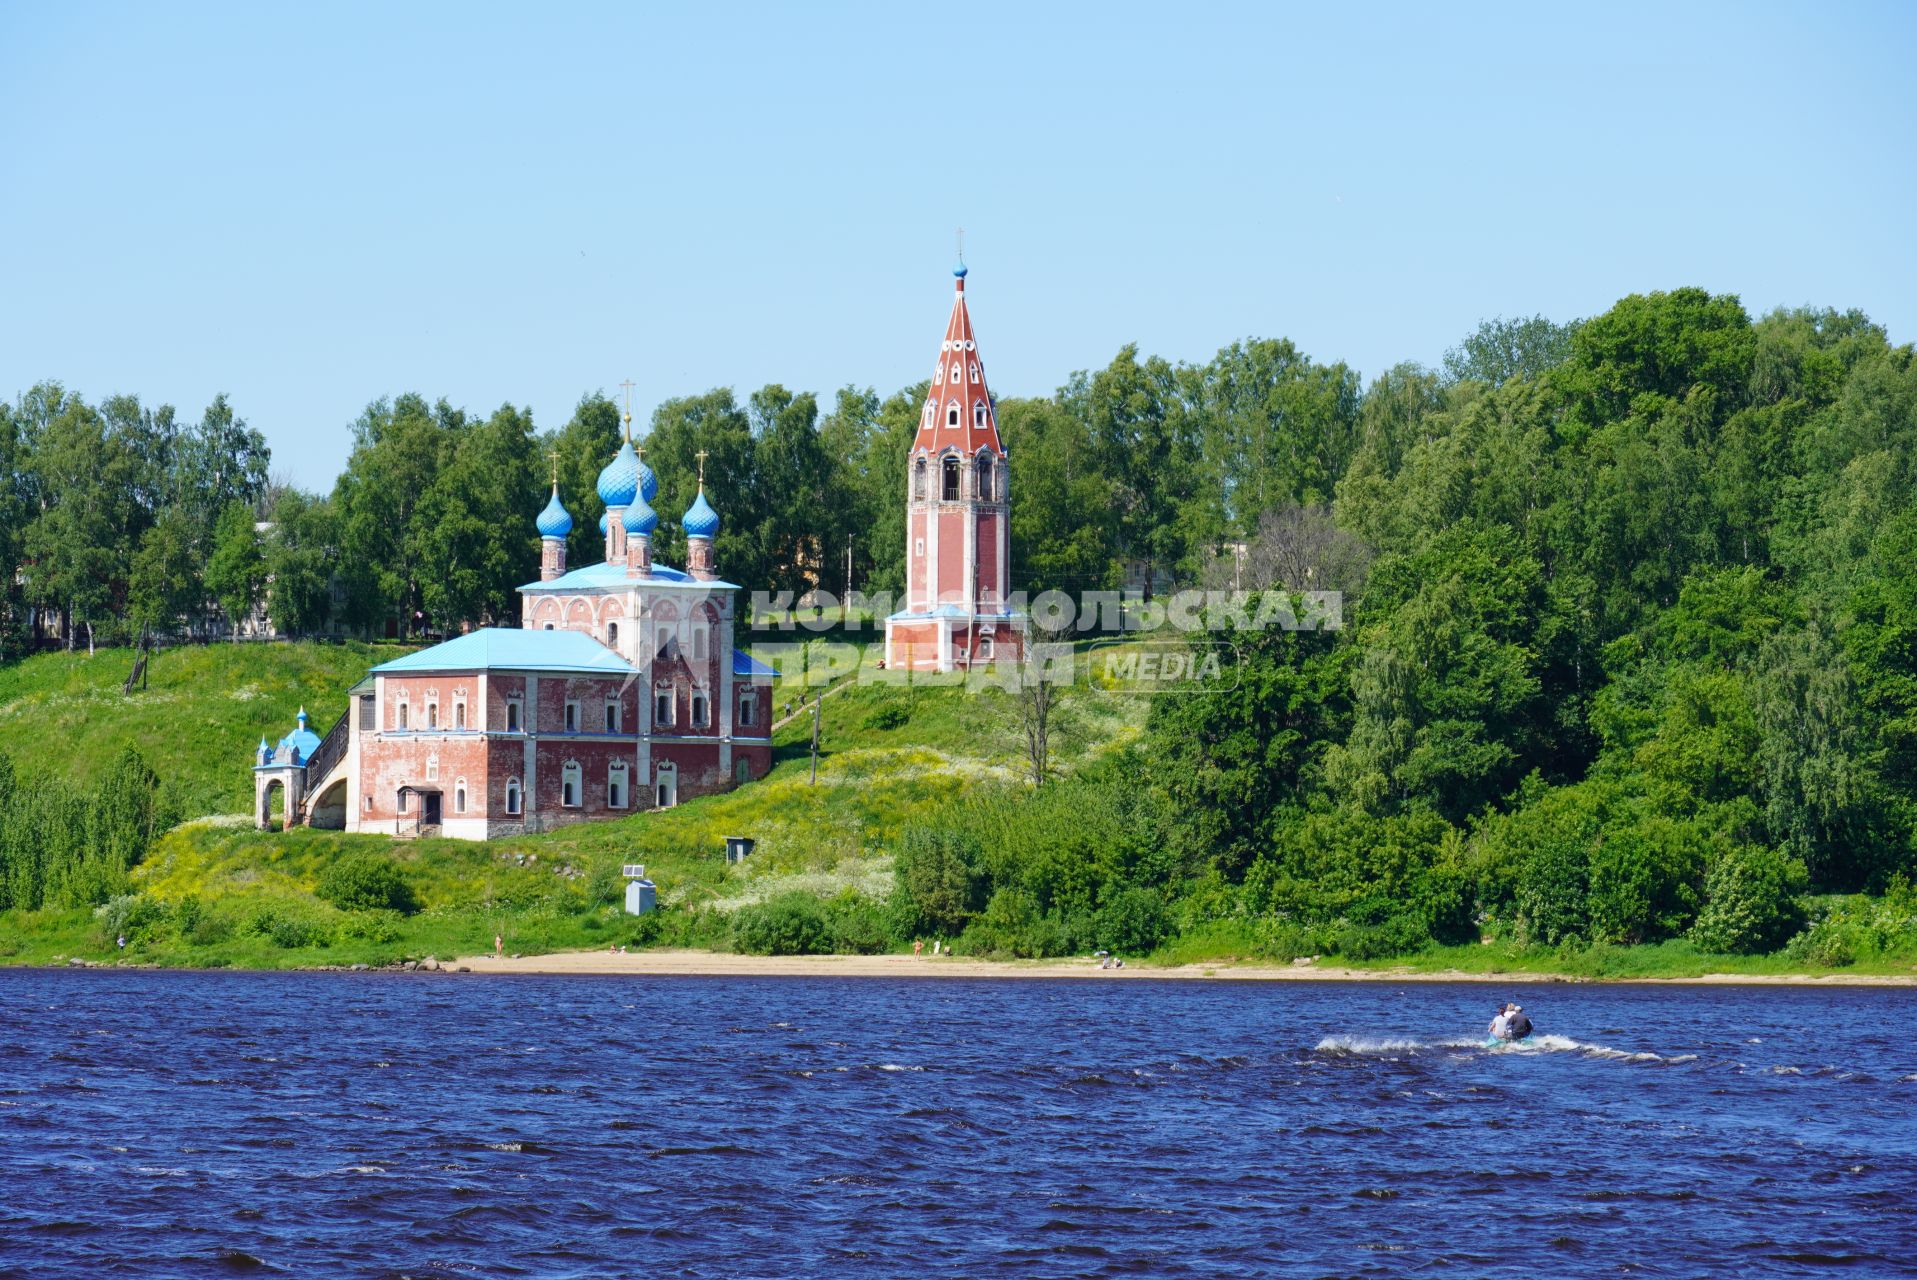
[{"x": 958, "y": 411}]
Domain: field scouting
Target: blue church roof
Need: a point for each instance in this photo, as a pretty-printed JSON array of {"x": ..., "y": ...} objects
[
  {"x": 701, "y": 521},
  {"x": 554, "y": 521},
  {"x": 509, "y": 648},
  {"x": 744, "y": 664},
  {"x": 604, "y": 575},
  {"x": 302, "y": 739}
]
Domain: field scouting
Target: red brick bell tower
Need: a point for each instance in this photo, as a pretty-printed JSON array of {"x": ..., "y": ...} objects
[{"x": 957, "y": 610}]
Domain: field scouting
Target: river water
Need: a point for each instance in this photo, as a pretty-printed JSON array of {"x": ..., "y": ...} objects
[{"x": 160, "y": 1124}]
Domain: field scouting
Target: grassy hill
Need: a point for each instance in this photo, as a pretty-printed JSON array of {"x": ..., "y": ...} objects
[
  {"x": 216, "y": 891},
  {"x": 196, "y": 721}
]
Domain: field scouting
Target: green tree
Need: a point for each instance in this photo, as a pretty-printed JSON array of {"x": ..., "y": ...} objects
[{"x": 236, "y": 569}]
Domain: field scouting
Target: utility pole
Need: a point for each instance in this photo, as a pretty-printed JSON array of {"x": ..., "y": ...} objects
[{"x": 816, "y": 698}]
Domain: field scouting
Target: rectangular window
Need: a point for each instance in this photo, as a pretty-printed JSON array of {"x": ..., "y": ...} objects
[
  {"x": 512, "y": 716},
  {"x": 612, "y": 717},
  {"x": 662, "y": 709},
  {"x": 368, "y": 712},
  {"x": 699, "y": 710},
  {"x": 748, "y": 707},
  {"x": 572, "y": 717},
  {"x": 404, "y": 709}
]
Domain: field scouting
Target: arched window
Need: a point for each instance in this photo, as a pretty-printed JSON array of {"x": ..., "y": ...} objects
[
  {"x": 951, "y": 414},
  {"x": 549, "y": 626},
  {"x": 569, "y": 785},
  {"x": 662, "y": 708},
  {"x": 975, "y": 371},
  {"x": 572, "y": 717},
  {"x": 616, "y": 785},
  {"x": 978, "y": 413},
  {"x": 512, "y": 716},
  {"x": 405, "y": 801},
  {"x": 432, "y": 715},
  {"x": 459, "y": 796},
  {"x": 950, "y": 485},
  {"x": 748, "y": 708},
  {"x": 459, "y": 714},
  {"x": 612, "y": 635},
  {"x": 698, "y": 709},
  {"x": 918, "y": 492},
  {"x": 512, "y": 795},
  {"x": 432, "y": 768},
  {"x": 404, "y": 709},
  {"x": 984, "y": 479}
]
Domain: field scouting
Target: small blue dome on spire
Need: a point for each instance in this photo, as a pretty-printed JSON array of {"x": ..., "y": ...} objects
[
  {"x": 554, "y": 521},
  {"x": 640, "y": 519},
  {"x": 959, "y": 270},
  {"x": 701, "y": 521},
  {"x": 619, "y": 482}
]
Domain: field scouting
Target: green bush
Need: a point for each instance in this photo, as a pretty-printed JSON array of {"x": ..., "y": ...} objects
[
  {"x": 792, "y": 924},
  {"x": 370, "y": 926},
  {"x": 858, "y": 925},
  {"x": 364, "y": 882},
  {"x": 1750, "y": 901},
  {"x": 1133, "y": 922},
  {"x": 889, "y": 716},
  {"x": 287, "y": 927},
  {"x": 940, "y": 883},
  {"x": 1397, "y": 935},
  {"x": 131, "y": 914}
]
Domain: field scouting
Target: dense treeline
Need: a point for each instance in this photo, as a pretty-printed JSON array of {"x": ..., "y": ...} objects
[
  {"x": 63, "y": 845},
  {"x": 1630, "y": 654}
]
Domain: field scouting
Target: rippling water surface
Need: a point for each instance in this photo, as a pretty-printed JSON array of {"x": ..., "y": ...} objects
[{"x": 386, "y": 1125}]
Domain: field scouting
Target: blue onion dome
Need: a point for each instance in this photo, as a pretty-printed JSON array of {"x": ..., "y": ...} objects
[
  {"x": 648, "y": 482},
  {"x": 619, "y": 482},
  {"x": 554, "y": 521},
  {"x": 640, "y": 519},
  {"x": 701, "y": 521},
  {"x": 959, "y": 271},
  {"x": 602, "y": 523}
]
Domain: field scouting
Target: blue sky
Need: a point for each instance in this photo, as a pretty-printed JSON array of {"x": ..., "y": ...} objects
[{"x": 310, "y": 208}]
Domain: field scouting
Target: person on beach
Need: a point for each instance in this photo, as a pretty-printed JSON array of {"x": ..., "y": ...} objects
[
  {"x": 918, "y": 947},
  {"x": 499, "y": 946}
]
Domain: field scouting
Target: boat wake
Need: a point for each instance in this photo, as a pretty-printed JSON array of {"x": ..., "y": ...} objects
[{"x": 1368, "y": 1047}]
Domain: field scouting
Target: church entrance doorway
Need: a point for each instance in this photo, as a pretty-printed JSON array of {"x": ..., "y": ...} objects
[{"x": 431, "y": 801}]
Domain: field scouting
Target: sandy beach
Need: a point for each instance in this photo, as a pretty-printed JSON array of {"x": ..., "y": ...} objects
[{"x": 724, "y": 964}]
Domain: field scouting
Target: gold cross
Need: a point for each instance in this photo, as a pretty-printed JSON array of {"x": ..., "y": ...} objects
[
  {"x": 702, "y": 456},
  {"x": 554, "y": 455}
]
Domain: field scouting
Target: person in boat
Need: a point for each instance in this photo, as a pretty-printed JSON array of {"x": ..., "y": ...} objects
[
  {"x": 1499, "y": 1022},
  {"x": 1516, "y": 1025}
]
